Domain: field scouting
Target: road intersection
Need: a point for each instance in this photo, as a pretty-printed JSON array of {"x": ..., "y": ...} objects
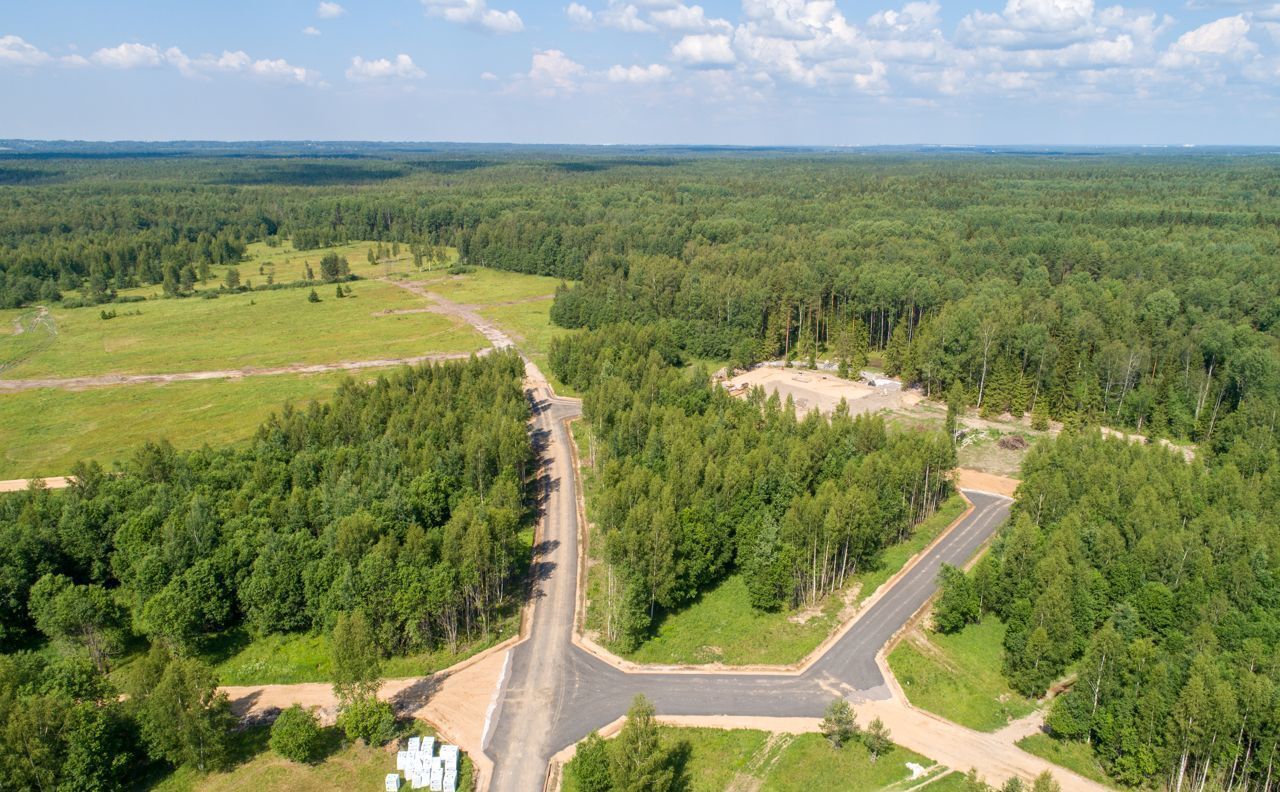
[{"x": 554, "y": 692}]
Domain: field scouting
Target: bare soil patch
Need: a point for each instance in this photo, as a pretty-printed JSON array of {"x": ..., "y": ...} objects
[{"x": 819, "y": 390}]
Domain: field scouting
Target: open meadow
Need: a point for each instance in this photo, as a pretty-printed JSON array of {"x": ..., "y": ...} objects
[{"x": 45, "y": 430}]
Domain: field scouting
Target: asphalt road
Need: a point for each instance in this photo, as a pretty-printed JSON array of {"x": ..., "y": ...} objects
[{"x": 554, "y": 693}]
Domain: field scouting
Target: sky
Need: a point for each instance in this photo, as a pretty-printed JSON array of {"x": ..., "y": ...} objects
[{"x": 754, "y": 72}]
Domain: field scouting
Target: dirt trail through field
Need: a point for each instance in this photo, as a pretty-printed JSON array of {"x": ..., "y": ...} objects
[
  {"x": 104, "y": 380},
  {"x": 443, "y": 306},
  {"x": 18, "y": 485}
]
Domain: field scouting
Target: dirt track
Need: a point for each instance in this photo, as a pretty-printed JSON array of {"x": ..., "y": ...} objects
[{"x": 106, "y": 380}]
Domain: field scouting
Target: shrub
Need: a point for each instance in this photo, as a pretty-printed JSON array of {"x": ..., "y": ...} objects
[
  {"x": 296, "y": 735},
  {"x": 368, "y": 719}
]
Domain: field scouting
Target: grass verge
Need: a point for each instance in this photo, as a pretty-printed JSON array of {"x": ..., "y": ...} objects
[
  {"x": 958, "y": 676},
  {"x": 721, "y": 626},
  {"x": 713, "y": 760},
  {"x": 1074, "y": 755},
  {"x": 345, "y": 766}
]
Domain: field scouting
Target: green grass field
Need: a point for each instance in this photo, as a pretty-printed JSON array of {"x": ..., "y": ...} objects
[
  {"x": 721, "y": 626},
  {"x": 487, "y": 287},
  {"x": 715, "y": 760},
  {"x": 958, "y": 676},
  {"x": 293, "y": 658},
  {"x": 346, "y": 766},
  {"x": 1071, "y": 754},
  {"x": 44, "y": 432},
  {"x": 256, "y": 329}
]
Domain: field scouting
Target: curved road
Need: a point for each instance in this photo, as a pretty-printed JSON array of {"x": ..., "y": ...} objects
[{"x": 554, "y": 693}]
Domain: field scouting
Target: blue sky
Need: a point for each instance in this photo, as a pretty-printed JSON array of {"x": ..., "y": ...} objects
[{"x": 760, "y": 72}]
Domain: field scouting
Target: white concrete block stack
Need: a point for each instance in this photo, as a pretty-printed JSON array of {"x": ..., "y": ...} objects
[
  {"x": 392, "y": 782},
  {"x": 424, "y": 769}
]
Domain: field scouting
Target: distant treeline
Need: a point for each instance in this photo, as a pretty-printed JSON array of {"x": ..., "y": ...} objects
[{"x": 1140, "y": 292}]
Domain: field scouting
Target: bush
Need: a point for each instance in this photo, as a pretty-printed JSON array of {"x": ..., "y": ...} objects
[
  {"x": 589, "y": 767},
  {"x": 296, "y": 735},
  {"x": 368, "y": 719}
]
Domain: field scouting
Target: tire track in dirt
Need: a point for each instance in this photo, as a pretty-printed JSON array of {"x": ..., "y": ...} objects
[{"x": 105, "y": 380}]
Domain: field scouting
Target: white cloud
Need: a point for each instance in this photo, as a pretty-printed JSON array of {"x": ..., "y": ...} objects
[
  {"x": 554, "y": 72},
  {"x": 1216, "y": 38},
  {"x": 655, "y": 72},
  {"x": 127, "y": 56},
  {"x": 1211, "y": 43},
  {"x": 580, "y": 15},
  {"x": 687, "y": 18},
  {"x": 277, "y": 69},
  {"x": 488, "y": 76},
  {"x": 475, "y": 13},
  {"x": 708, "y": 50},
  {"x": 310, "y": 30},
  {"x": 381, "y": 69},
  {"x": 624, "y": 17},
  {"x": 74, "y": 60},
  {"x": 14, "y": 51},
  {"x": 914, "y": 17},
  {"x": 328, "y": 10}
]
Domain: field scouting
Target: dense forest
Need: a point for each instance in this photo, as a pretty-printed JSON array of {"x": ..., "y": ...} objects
[
  {"x": 691, "y": 482},
  {"x": 1135, "y": 291},
  {"x": 1156, "y": 584},
  {"x": 400, "y": 501}
]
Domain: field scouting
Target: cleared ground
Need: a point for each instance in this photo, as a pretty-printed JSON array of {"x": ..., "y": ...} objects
[
  {"x": 746, "y": 760},
  {"x": 958, "y": 676},
  {"x": 345, "y": 766},
  {"x": 819, "y": 390}
]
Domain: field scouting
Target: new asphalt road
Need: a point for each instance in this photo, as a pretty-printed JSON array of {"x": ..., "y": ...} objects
[{"x": 554, "y": 693}]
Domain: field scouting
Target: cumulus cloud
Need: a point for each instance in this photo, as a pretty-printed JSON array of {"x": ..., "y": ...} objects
[
  {"x": 655, "y": 72},
  {"x": 682, "y": 17},
  {"x": 310, "y": 30},
  {"x": 704, "y": 50},
  {"x": 327, "y": 10},
  {"x": 475, "y": 13},
  {"x": 580, "y": 15},
  {"x": 14, "y": 51},
  {"x": 141, "y": 56},
  {"x": 382, "y": 69},
  {"x": 551, "y": 72},
  {"x": 1226, "y": 37},
  {"x": 127, "y": 56}
]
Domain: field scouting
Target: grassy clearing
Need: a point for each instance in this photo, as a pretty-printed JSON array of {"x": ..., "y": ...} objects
[
  {"x": 958, "y": 676},
  {"x": 286, "y": 265},
  {"x": 721, "y": 626},
  {"x": 293, "y": 658},
  {"x": 288, "y": 659},
  {"x": 44, "y": 432},
  {"x": 713, "y": 760},
  {"x": 529, "y": 325},
  {"x": 259, "y": 329},
  {"x": 488, "y": 287},
  {"x": 346, "y": 766},
  {"x": 1072, "y": 754}
]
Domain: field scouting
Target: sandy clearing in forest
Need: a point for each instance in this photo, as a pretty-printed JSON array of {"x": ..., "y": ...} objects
[
  {"x": 986, "y": 482},
  {"x": 819, "y": 390}
]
